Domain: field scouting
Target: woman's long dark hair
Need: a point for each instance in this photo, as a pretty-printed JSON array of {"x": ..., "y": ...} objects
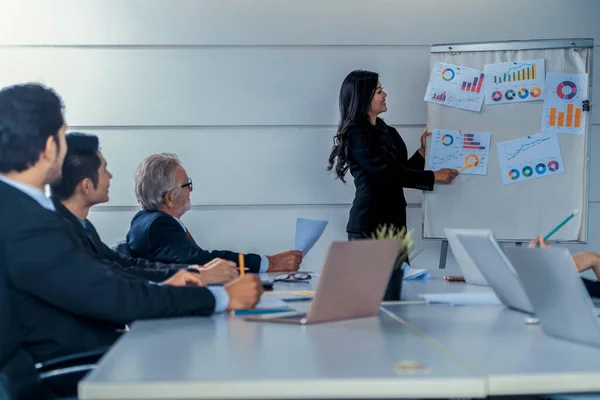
[{"x": 355, "y": 99}]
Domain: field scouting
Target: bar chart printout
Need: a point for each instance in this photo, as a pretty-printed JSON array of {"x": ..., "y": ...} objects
[
  {"x": 457, "y": 149},
  {"x": 474, "y": 85},
  {"x": 515, "y": 81},
  {"x": 455, "y": 86},
  {"x": 529, "y": 157},
  {"x": 439, "y": 97},
  {"x": 563, "y": 105}
]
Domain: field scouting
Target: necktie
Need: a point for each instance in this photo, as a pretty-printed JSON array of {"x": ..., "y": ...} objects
[{"x": 189, "y": 236}]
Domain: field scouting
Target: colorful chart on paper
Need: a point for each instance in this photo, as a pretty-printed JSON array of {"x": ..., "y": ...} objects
[
  {"x": 455, "y": 149},
  {"x": 530, "y": 157},
  {"x": 563, "y": 105},
  {"x": 514, "y": 82},
  {"x": 455, "y": 86}
]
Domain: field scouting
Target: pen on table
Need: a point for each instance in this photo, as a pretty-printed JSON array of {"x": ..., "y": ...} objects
[
  {"x": 471, "y": 164},
  {"x": 553, "y": 231},
  {"x": 241, "y": 264},
  {"x": 454, "y": 278}
]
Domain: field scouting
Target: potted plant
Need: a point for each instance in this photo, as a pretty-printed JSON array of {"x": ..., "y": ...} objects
[{"x": 394, "y": 287}]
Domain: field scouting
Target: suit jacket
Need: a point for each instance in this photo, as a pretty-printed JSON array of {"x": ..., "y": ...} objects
[
  {"x": 157, "y": 236},
  {"x": 91, "y": 241},
  {"x": 17, "y": 372},
  {"x": 65, "y": 300},
  {"x": 9, "y": 332},
  {"x": 378, "y": 160}
]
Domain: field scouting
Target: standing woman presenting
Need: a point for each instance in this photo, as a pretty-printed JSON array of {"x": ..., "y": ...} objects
[{"x": 377, "y": 158}]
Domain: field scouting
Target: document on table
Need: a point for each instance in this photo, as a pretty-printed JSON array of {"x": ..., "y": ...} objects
[
  {"x": 271, "y": 303},
  {"x": 463, "y": 299},
  {"x": 308, "y": 231},
  {"x": 411, "y": 274}
]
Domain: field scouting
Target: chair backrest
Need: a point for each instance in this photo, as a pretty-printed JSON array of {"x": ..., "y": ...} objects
[
  {"x": 19, "y": 379},
  {"x": 123, "y": 248}
]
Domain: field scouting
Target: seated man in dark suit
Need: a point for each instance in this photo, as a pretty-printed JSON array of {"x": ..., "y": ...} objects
[
  {"x": 85, "y": 182},
  {"x": 157, "y": 233},
  {"x": 65, "y": 300}
]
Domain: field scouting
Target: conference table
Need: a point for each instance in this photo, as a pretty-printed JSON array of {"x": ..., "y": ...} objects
[
  {"x": 498, "y": 343},
  {"x": 409, "y": 350}
]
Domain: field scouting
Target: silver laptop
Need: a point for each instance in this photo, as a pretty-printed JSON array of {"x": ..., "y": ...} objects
[
  {"x": 466, "y": 264},
  {"x": 352, "y": 283},
  {"x": 561, "y": 301},
  {"x": 496, "y": 268}
]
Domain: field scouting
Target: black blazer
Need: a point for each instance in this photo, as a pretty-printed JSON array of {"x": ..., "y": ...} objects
[
  {"x": 139, "y": 267},
  {"x": 17, "y": 371},
  {"x": 378, "y": 161},
  {"x": 65, "y": 300},
  {"x": 157, "y": 236},
  {"x": 10, "y": 342}
]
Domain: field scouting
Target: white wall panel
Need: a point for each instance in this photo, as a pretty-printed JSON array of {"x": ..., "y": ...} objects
[
  {"x": 237, "y": 166},
  {"x": 217, "y": 86},
  {"x": 222, "y": 86},
  {"x": 291, "y": 22}
]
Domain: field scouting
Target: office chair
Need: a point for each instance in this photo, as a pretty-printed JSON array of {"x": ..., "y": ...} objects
[
  {"x": 123, "y": 248},
  {"x": 21, "y": 378}
]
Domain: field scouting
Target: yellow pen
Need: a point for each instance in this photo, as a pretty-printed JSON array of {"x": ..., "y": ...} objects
[{"x": 241, "y": 264}]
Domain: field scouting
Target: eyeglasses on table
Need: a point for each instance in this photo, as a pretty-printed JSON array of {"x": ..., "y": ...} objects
[{"x": 295, "y": 277}]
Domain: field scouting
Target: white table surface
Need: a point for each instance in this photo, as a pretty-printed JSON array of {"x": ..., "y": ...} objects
[
  {"x": 493, "y": 341},
  {"x": 225, "y": 357},
  {"x": 467, "y": 352}
]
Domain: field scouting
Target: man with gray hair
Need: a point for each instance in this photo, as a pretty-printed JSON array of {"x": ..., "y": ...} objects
[
  {"x": 85, "y": 183},
  {"x": 163, "y": 189}
]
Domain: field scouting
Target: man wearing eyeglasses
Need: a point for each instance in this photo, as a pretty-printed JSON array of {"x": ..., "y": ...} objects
[
  {"x": 157, "y": 233},
  {"x": 85, "y": 183}
]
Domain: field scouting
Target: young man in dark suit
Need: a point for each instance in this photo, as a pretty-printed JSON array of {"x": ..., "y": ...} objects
[
  {"x": 85, "y": 183},
  {"x": 65, "y": 300},
  {"x": 163, "y": 189}
]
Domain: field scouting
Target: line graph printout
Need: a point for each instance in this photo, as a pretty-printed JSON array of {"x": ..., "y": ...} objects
[
  {"x": 455, "y": 149},
  {"x": 455, "y": 86},
  {"x": 563, "y": 105},
  {"x": 514, "y": 82},
  {"x": 530, "y": 157}
]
